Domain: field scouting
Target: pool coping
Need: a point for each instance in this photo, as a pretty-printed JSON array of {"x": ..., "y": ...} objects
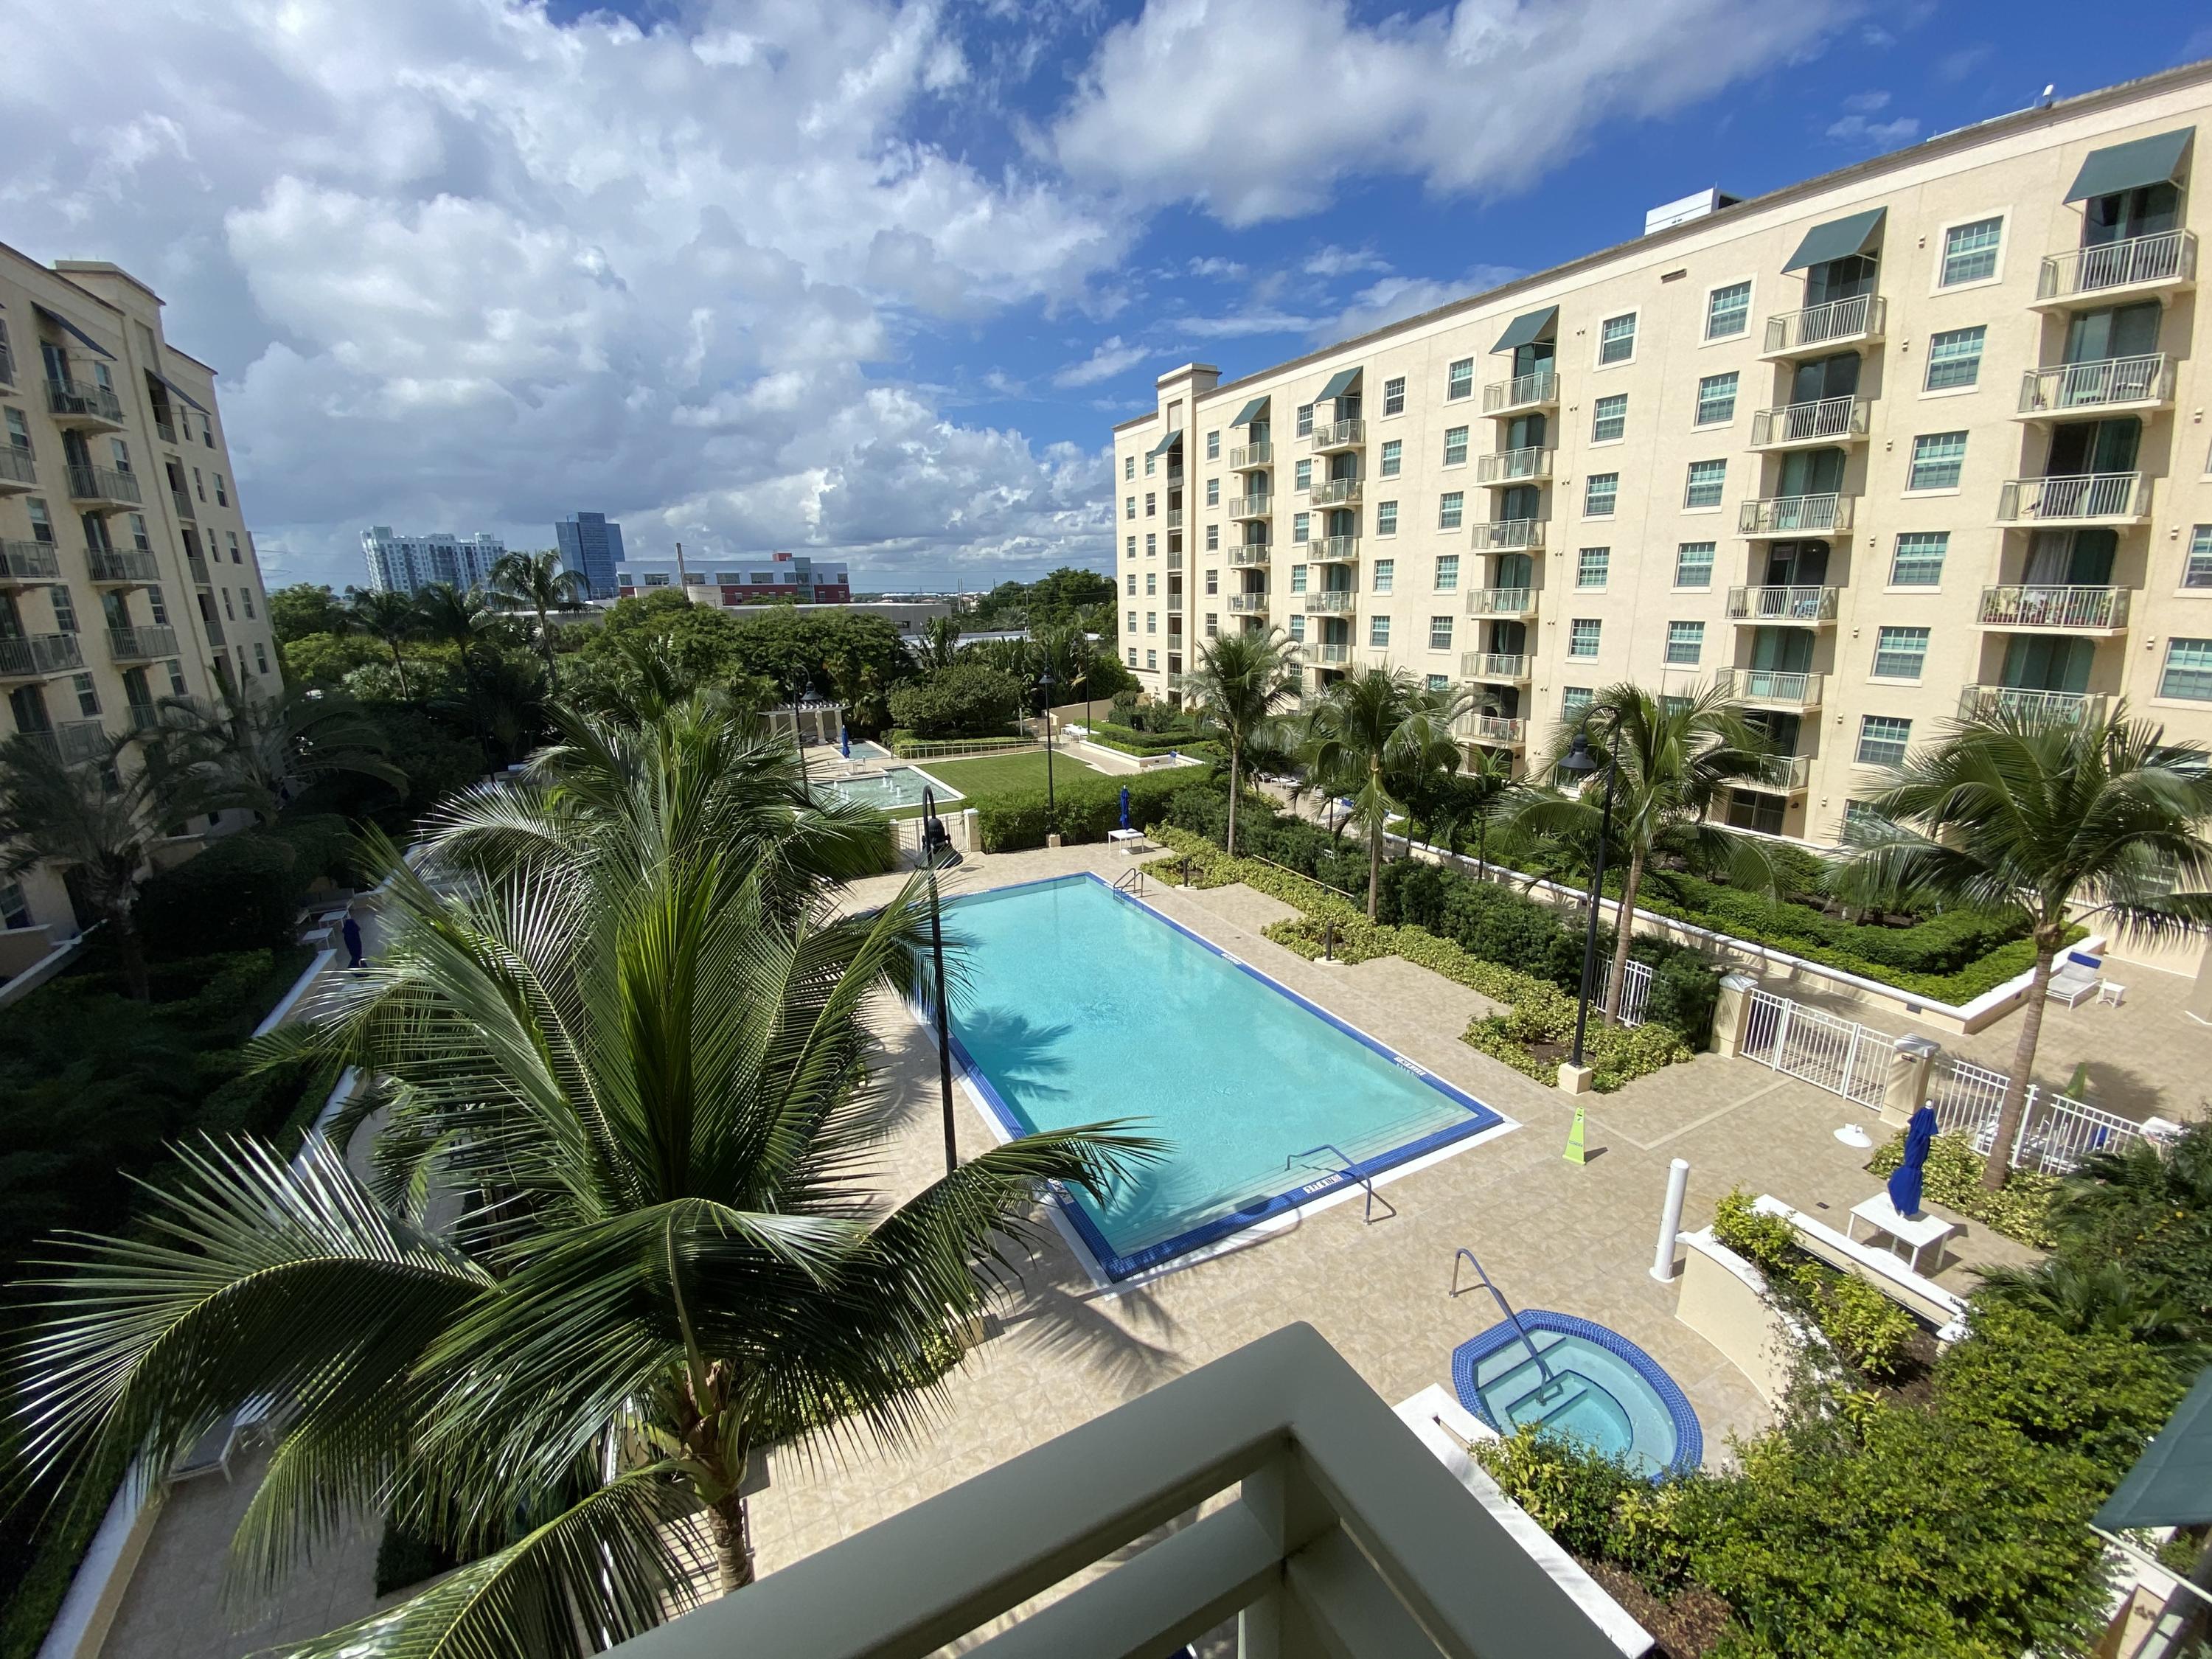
[
  {"x": 1689, "y": 1435},
  {"x": 1113, "y": 1267}
]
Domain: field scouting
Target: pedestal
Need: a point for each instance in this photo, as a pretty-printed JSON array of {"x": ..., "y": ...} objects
[{"x": 1575, "y": 1080}]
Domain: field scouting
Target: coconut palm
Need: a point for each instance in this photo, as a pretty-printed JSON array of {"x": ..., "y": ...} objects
[
  {"x": 538, "y": 582},
  {"x": 938, "y": 645},
  {"x": 392, "y": 617},
  {"x": 1371, "y": 735},
  {"x": 260, "y": 752},
  {"x": 1242, "y": 680},
  {"x": 2088, "y": 821},
  {"x": 1670, "y": 757},
  {"x": 631, "y": 1042}
]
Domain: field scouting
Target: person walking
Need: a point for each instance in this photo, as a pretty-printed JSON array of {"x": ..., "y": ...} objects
[{"x": 351, "y": 933}]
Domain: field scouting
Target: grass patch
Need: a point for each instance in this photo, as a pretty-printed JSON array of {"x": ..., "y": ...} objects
[{"x": 1001, "y": 775}]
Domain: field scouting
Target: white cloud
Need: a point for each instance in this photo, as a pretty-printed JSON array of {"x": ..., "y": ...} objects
[
  {"x": 1110, "y": 358},
  {"x": 1396, "y": 298},
  {"x": 1333, "y": 261},
  {"x": 1227, "y": 270},
  {"x": 1856, "y": 129},
  {"x": 1238, "y": 323},
  {"x": 1866, "y": 103},
  {"x": 1483, "y": 96}
]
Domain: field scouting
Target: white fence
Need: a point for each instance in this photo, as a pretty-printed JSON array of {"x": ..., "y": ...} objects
[
  {"x": 1840, "y": 1055},
  {"x": 2055, "y": 1132},
  {"x": 1635, "y": 994}
]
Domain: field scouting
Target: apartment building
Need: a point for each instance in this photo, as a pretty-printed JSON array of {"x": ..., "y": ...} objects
[
  {"x": 126, "y": 571},
  {"x": 400, "y": 563},
  {"x": 742, "y": 578},
  {"x": 1917, "y": 438}
]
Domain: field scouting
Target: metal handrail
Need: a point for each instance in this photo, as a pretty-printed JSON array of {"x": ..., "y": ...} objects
[
  {"x": 1826, "y": 324},
  {"x": 1797, "y": 604},
  {"x": 1508, "y": 534},
  {"x": 102, "y": 483},
  {"x": 2053, "y": 604},
  {"x": 2072, "y": 495},
  {"x": 1351, "y": 1169},
  {"x": 1131, "y": 882},
  {"x": 1531, "y": 461},
  {"x": 1822, "y": 418},
  {"x": 1539, "y": 386},
  {"x": 1336, "y": 492},
  {"x": 2168, "y": 256},
  {"x": 1504, "y": 1306},
  {"x": 1773, "y": 515},
  {"x": 2147, "y": 379}
]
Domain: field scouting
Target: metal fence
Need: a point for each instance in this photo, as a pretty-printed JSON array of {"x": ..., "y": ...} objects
[
  {"x": 2056, "y": 1132},
  {"x": 1840, "y": 1055},
  {"x": 1635, "y": 993}
]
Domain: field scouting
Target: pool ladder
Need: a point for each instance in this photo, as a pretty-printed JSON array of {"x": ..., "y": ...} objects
[
  {"x": 1350, "y": 1168},
  {"x": 1131, "y": 881},
  {"x": 1504, "y": 1307}
]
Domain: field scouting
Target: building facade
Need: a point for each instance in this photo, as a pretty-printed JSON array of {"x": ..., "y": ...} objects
[
  {"x": 127, "y": 574},
  {"x": 400, "y": 563},
  {"x": 1919, "y": 438},
  {"x": 591, "y": 546},
  {"x": 750, "y": 579}
]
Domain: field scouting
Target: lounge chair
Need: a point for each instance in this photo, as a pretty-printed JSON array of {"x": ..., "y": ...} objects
[{"x": 2078, "y": 976}]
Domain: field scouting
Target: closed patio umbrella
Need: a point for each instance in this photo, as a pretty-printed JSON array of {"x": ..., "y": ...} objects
[
  {"x": 844, "y": 743},
  {"x": 1125, "y": 807},
  {"x": 1904, "y": 1179}
]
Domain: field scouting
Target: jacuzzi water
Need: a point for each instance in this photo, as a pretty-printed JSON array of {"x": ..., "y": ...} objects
[{"x": 1583, "y": 1385}]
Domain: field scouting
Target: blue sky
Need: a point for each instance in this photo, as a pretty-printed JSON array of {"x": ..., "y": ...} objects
[{"x": 872, "y": 279}]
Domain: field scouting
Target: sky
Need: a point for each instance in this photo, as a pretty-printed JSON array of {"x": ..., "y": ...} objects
[{"x": 873, "y": 281}]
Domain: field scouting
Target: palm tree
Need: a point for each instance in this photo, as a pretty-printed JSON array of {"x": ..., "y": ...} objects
[
  {"x": 1242, "y": 680},
  {"x": 1372, "y": 732},
  {"x": 458, "y": 617},
  {"x": 541, "y": 583},
  {"x": 260, "y": 752},
  {"x": 2103, "y": 1299},
  {"x": 392, "y": 617},
  {"x": 632, "y": 1048},
  {"x": 938, "y": 645},
  {"x": 2066, "y": 822},
  {"x": 1670, "y": 757}
]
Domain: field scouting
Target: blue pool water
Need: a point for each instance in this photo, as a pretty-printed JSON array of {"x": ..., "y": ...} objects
[
  {"x": 1075, "y": 1004},
  {"x": 1583, "y": 1380}
]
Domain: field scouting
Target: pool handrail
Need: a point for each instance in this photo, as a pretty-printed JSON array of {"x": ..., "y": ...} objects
[
  {"x": 1504, "y": 1307},
  {"x": 1351, "y": 1169}
]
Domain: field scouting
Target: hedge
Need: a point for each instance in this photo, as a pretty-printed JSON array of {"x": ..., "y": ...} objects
[
  {"x": 241, "y": 893},
  {"x": 900, "y": 742},
  {"x": 1130, "y": 741},
  {"x": 1083, "y": 809}
]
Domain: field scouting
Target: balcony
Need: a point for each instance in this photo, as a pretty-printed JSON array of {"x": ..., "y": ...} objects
[
  {"x": 1538, "y": 389},
  {"x": 85, "y": 405},
  {"x": 182, "y": 500},
  {"x": 1513, "y": 466},
  {"x": 1789, "y": 774},
  {"x": 1329, "y": 651},
  {"x": 1333, "y": 550},
  {"x": 1507, "y": 602},
  {"x": 1175, "y": 558},
  {"x": 1247, "y": 605},
  {"x": 147, "y": 643},
  {"x": 2097, "y": 276},
  {"x": 22, "y": 563},
  {"x": 1251, "y": 507},
  {"x": 73, "y": 742},
  {"x": 1801, "y": 426},
  {"x": 1793, "y": 515},
  {"x": 1330, "y": 602},
  {"x": 1492, "y": 728},
  {"x": 1818, "y": 330},
  {"x": 2116, "y": 386},
  {"x": 144, "y": 717},
  {"x": 36, "y": 656},
  {"x": 1337, "y": 435},
  {"x": 2074, "y": 498},
  {"x": 165, "y": 430},
  {"x": 2076, "y": 610},
  {"x": 103, "y": 487},
  {"x": 211, "y": 624},
  {"x": 1769, "y": 688},
  {"x": 17, "y": 469},
  {"x": 2055, "y": 708},
  {"x": 1175, "y": 681},
  {"x": 121, "y": 567},
  {"x": 1508, "y": 536},
  {"x": 1504, "y": 667},
  {"x": 1804, "y": 607},
  {"x": 197, "y": 566},
  {"x": 1175, "y": 518},
  {"x": 1256, "y": 553},
  {"x": 1242, "y": 458},
  {"x": 1337, "y": 492}
]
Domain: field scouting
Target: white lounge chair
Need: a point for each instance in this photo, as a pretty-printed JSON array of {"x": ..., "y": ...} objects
[{"x": 2078, "y": 976}]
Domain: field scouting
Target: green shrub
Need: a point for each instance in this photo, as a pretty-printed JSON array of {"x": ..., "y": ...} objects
[
  {"x": 1569, "y": 1490},
  {"x": 1767, "y": 1242},
  {"x": 1087, "y": 808},
  {"x": 2095, "y": 1395},
  {"x": 907, "y": 744},
  {"x": 1952, "y": 1176},
  {"x": 1131, "y": 741},
  {"x": 1872, "y": 1332},
  {"x": 967, "y": 699},
  {"x": 1685, "y": 989},
  {"x": 241, "y": 893}
]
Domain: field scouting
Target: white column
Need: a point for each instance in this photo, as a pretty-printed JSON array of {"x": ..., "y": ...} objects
[{"x": 1670, "y": 1220}]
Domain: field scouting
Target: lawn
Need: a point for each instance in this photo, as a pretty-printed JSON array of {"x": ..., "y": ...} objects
[{"x": 1001, "y": 775}]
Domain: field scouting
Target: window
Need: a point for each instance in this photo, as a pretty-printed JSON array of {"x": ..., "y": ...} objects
[
  {"x": 1132, "y": 656},
  {"x": 1616, "y": 339},
  {"x": 64, "y": 609},
  {"x": 1899, "y": 652},
  {"x": 1298, "y": 629},
  {"x": 1448, "y": 509},
  {"x": 1298, "y": 579},
  {"x": 1969, "y": 252},
  {"x": 1686, "y": 644},
  {"x": 198, "y": 482},
  {"x": 1213, "y": 624},
  {"x": 1575, "y": 702},
  {"x": 1954, "y": 358},
  {"x": 1151, "y": 659},
  {"x": 1213, "y": 492},
  {"x": 121, "y": 452},
  {"x": 1386, "y": 518},
  {"x": 1301, "y": 527},
  {"x": 1459, "y": 378},
  {"x": 14, "y": 908},
  {"x": 1378, "y": 630},
  {"x": 1592, "y": 566},
  {"x": 1717, "y": 399},
  {"x": 18, "y": 433},
  {"x": 1440, "y": 633},
  {"x": 1728, "y": 311},
  {"x": 1129, "y": 506},
  {"x": 1152, "y": 583},
  {"x": 88, "y": 696},
  {"x": 1151, "y": 504},
  {"x": 228, "y": 614},
  {"x": 1455, "y": 445},
  {"x": 1860, "y": 814},
  {"x": 245, "y": 598},
  {"x": 1150, "y": 465},
  {"x": 1212, "y": 582},
  {"x": 1918, "y": 560},
  {"x": 1938, "y": 458},
  {"x": 1213, "y": 538},
  {"x": 1132, "y": 547},
  {"x": 1133, "y": 584},
  {"x": 1393, "y": 454},
  {"x": 1393, "y": 396},
  {"x": 1693, "y": 564},
  {"x": 141, "y": 538},
  {"x": 223, "y": 500},
  {"x": 1305, "y": 420},
  {"x": 1128, "y": 467},
  {"x": 1439, "y": 683},
  {"x": 2197, "y": 572},
  {"x": 1131, "y": 628},
  {"x": 1151, "y": 622},
  {"x": 1303, "y": 475},
  {"x": 1707, "y": 480},
  {"x": 161, "y": 610},
  {"x": 1609, "y": 418},
  {"x": 232, "y": 535},
  {"x": 1582, "y": 636},
  {"x": 260, "y": 657},
  {"x": 1600, "y": 491},
  {"x": 1214, "y": 445},
  {"x": 1447, "y": 572},
  {"x": 2188, "y": 670},
  {"x": 1152, "y": 545},
  {"x": 1882, "y": 740},
  {"x": 1385, "y": 574}
]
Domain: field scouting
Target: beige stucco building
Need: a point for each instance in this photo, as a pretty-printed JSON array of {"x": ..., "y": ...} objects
[
  {"x": 126, "y": 571},
  {"x": 1906, "y": 439}
]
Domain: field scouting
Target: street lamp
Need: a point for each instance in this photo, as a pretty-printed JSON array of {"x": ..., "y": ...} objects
[
  {"x": 1051, "y": 812},
  {"x": 1578, "y": 763},
  {"x": 933, "y": 839}
]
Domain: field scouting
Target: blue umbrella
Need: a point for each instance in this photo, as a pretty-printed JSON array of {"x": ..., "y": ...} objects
[
  {"x": 844, "y": 743},
  {"x": 1125, "y": 807},
  {"x": 1904, "y": 1179}
]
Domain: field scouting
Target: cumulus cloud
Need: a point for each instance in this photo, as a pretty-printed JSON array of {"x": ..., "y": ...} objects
[
  {"x": 1396, "y": 298},
  {"x": 1333, "y": 261},
  {"x": 1111, "y": 357}
]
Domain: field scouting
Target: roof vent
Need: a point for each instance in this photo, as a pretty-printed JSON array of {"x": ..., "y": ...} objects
[{"x": 1687, "y": 208}]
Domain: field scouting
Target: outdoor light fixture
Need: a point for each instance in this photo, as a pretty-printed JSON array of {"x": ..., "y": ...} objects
[
  {"x": 933, "y": 839},
  {"x": 1578, "y": 764}
]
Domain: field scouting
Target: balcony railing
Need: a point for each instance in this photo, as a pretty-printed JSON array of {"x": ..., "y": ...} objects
[
  {"x": 1816, "y": 328},
  {"x": 102, "y": 483},
  {"x": 1501, "y": 602},
  {"x": 197, "y": 566},
  {"x": 210, "y": 624},
  {"x": 1783, "y": 605},
  {"x": 1491, "y": 728},
  {"x": 1338, "y": 434},
  {"x": 144, "y": 643},
  {"x": 1247, "y": 605},
  {"x": 17, "y": 468},
  {"x": 28, "y": 562},
  {"x": 2033, "y": 605},
  {"x": 1770, "y": 686},
  {"x": 1330, "y": 601},
  {"x": 1538, "y": 389},
  {"x": 116, "y": 566},
  {"x": 1509, "y": 536},
  {"x": 2073, "y": 497},
  {"x": 35, "y": 656},
  {"x": 73, "y": 742},
  {"x": 2130, "y": 381},
  {"x": 1176, "y": 681},
  {"x": 1251, "y": 554},
  {"x": 143, "y": 717},
  {"x": 1788, "y": 773},
  {"x": 76, "y": 402},
  {"x": 1175, "y": 518},
  {"x": 1251, "y": 507},
  {"x": 1793, "y": 515},
  {"x": 2057, "y": 708},
  {"x": 182, "y": 499},
  {"x": 1509, "y": 666},
  {"x": 1336, "y": 492},
  {"x": 1335, "y": 550},
  {"x": 1513, "y": 466},
  {"x": 1244, "y": 457},
  {"x": 2167, "y": 259},
  {"x": 165, "y": 430},
  {"x": 1175, "y": 558},
  {"x": 1825, "y": 420}
]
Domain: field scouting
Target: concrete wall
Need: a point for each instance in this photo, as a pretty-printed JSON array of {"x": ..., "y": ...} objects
[{"x": 1723, "y": 1299}]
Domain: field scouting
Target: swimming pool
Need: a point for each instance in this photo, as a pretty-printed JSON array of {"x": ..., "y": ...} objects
[
  {"x": 1077, "y": 1004},
  {"x": 895, "y": 786},
  {"x": 1585, "y": 1381}
]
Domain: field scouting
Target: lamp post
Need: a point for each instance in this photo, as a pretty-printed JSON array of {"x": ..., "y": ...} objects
[
  {"x": 798, "y": 741},
  {"x": 933, "y": 838},
  {"x": 1578, "y": 764},
  {"x": 1051, "y": 812}
]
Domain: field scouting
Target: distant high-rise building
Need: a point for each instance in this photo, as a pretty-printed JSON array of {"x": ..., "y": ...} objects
[
  {"x": 592, "y": 546},
  {"x": 407, "y": 564}
]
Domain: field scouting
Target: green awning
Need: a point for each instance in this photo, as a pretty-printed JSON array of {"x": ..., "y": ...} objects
[
  {"x": 1528, "y": 328},
  {"x": 1339, "y": 384},
  {"x": 1255, "y": 410},
  {"x": 1165, "y": 443},
  {"x": 1839, "y": 239},
  {"x": 2170, "y": 1484},
  {"x": 69, "y": 327},
  {"x": 2130, "y": 166}
]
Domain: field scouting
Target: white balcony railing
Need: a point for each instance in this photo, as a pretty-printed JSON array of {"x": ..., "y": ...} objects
[
  {"x": 1783, "y": 605},
  {"x": 1250, "y": 554},
  {"x": 1795, "y": 515},
  {"x": 1491, "y": 728},
  {"x": 2036, "y": 605},
  {"x": 1775, "y": 687},
  {"x": 1511, "y": 666},
  {"x": 1242, "y": 458},
  {"x": 2073, "y": 497},
  {"x": 144, "y": 643},
  {"x": 1513, "y": 466},
  {"x": 121, "y": 567},
  {"x": 17, "y": 469},
  {"x": 2058, "y": 707},
  {"x": 1788, "y": 773},
  {"x": 1335, "y": 550},
  {"x": 1338, "y": 434},
  {"x": 1538, "y": 389},
  {"x": 1825, "y": 420},
  {"x": 2098, "y": 384},
  {"x": 1175, "y": 558},
  {"x": 1330, "y": 651},
  {"x": 1175, "y": 518},
  {"x": 1247, "y": 605},
  {"x": 28, "y": 561},
  {"x": 73, "y": 401},
  {"x": 1336, "y": 492},
  {"x": 1330, "y": 601},
  {"x": 2168, "y": 259},
  {"x": 73, "y": 742},
  {"x": 103, "y": 483},
  {"x": 1508, "y": 536},
  {"x": 1251, "y": 507},
  {"x": 1818, "y": 327},
  {"x": 1501, "y": 602},
  {"x": 33, "y": 656}
]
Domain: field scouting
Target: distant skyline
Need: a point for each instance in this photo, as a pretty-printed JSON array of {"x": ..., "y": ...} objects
[{"x": 872, "y": 282}]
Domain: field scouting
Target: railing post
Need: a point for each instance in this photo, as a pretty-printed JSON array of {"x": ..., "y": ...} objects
[
  {"x": 1732, "y": 1014},
  {"x": 1911, "y": 1060},
  {"x": 1781, "y": 1036},
  {"x": 2026, "y": 1118},
  {"x": 1293, "y": 1513}
]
